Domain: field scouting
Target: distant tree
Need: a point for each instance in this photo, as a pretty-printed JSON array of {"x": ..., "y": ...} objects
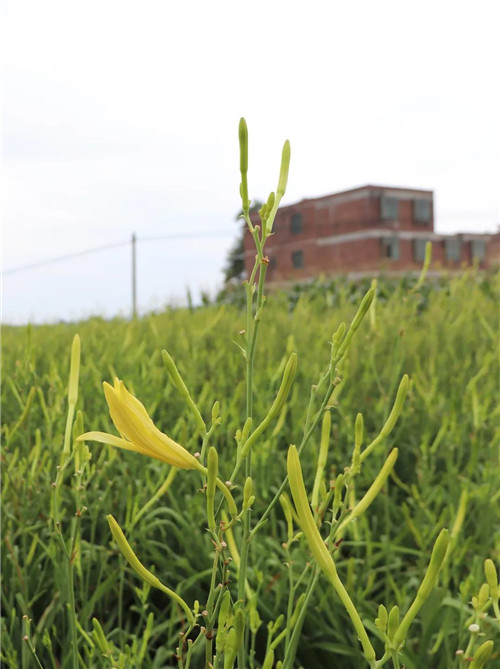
[{"x": 235, "y": 264}]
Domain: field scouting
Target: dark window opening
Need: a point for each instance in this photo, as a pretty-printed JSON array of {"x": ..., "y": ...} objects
[
  {"x": 478, "y": 249},
  {"x": 390, "y": 248},
  {"x": 422, "y": 211},
  {"x": 419, "y": 249},
  {"x": 452, "y": 249},
  {"x": 297, "y": 259},
  {"x": 389, "y": 208},
  {"x": 296, "y": 224}
]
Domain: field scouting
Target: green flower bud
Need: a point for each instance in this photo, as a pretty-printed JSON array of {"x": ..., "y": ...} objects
[
  {"x": 483, "y": 596},
  {"x": 393, "y": 417},
  {"x": 285, "y": 166},
  {"x": 234, "y": 639},
  {"x": 319, "y": 550},
  {"x": 246, "y": 429},
  {"x": 287, "y": 510},
  {"x": 427, "y": 585},
  {"x": 338, "y": 335},
  {"x": 356, "y": 322},
  {"x": 223, "y": 621},
  {"x": 297, "y": 610},
  {"x": 74, "y": 371},
  {"x": 281, "y": 397},
  {"x": 339, "y": 484},
  {"x": 373, "y": 490},
  {"x": 141, "y": 570},
  {"x": 212, "y": 467},
  {"x": 381, "y": 620},
  {"x": 247, "y": 493},
  {"x": 358, "y": 430},
  {"x": 230, "y": 649},
  {"x": 243, "y": 137},
  {"x": 286, "y": 384},
  {"x": 99, "y": 637},
  {"x": 182, "y": 389},
  {"x": 482, "y": 655},
  {"x": 358, "y": 439},
  {"x": 278, "y": 624},
  {"x": 270, "y": 201},
  {"x": 491, "y": 578},
  {"x": 269, "y": 660},
  {"x": 323, "y": 452},
  {"x": 392, "y": 622}
]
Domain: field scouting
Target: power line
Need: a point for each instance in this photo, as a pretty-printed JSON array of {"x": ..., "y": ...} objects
[
  {"x": 200, "y": 235},
  {"x": 68, "y": 256},
  {"x": 96, "y": 249}
]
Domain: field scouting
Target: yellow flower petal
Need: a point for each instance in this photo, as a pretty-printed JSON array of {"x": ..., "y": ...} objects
[
  {"x": 111, "y": 440},
  {"x": 138, "y": 431}
]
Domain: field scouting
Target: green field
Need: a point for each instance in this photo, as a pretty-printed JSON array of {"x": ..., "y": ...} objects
[
  {"x": 93, "y": 606},
  {"x": 306, "y": 479}
]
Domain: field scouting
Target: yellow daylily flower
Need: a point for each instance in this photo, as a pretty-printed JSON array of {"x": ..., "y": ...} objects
[{"x": 137, "y": 430}]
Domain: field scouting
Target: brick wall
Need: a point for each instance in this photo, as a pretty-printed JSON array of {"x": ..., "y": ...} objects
[{"x": 344, "y": 233}]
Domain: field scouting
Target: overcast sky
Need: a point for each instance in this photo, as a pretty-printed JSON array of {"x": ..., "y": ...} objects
[{"x": 122, "y": 117}]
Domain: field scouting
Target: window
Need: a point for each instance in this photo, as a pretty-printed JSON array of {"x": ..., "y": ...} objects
[
  {"x": 422, "y": 211},
  {"x": 478, "y": 249},
  {"x": 296, "y": 224},
  {"x": 419, "y": 249},
  {"x": 390, "y": 248},
  {"x": 297, "y": 259},
  {"x": 389, "y": 208},
  {"x": 452, "y": 249}
]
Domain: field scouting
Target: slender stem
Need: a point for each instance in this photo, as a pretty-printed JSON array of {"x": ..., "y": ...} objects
[
  {"x": 297, "y": 630},
  {"x": 209, "y": 616},
  {"x": 161, "y": 491},
  {"x": 291, "y": 592},
  {"x": 28, "y": 645},
  {"x": 368, "y": 650},
  {"x": 395, "y": 659},
  {"x": 72, "y": 611},
  {"x": 253, "y": 321},
  {"x": 386, "y": 656},
  {"x": 191, "y": 647},
  {"x": 242, "y": 654}
]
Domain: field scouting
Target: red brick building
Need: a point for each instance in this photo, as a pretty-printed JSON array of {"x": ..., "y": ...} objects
[{"x": 365, "y": 230}]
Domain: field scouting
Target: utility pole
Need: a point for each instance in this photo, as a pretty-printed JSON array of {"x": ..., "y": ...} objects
[{"x": 134, "y": 277}]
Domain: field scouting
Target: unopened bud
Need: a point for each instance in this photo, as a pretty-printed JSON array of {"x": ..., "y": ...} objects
[
  {"x": 247, "y": 493},
  {"x": 491, "y": 578},
  {"x": 482, "y": 655}
]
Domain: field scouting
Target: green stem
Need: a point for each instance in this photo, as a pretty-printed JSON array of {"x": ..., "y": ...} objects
[
  {"x": 368, "y": 650},
  {"x": 242, "y": 570},
  {"x": 291, "y": 650},
  {"x": 252, "y": 331},
  {"x": 191, "y": 647},
  {"x": 212, "y": 609},
  {"x": 72, "y": 611},
  {"x": 291, "y": 592},
  {"x": 386, "y": 656},
  {"x": 161, "y": 491}
]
